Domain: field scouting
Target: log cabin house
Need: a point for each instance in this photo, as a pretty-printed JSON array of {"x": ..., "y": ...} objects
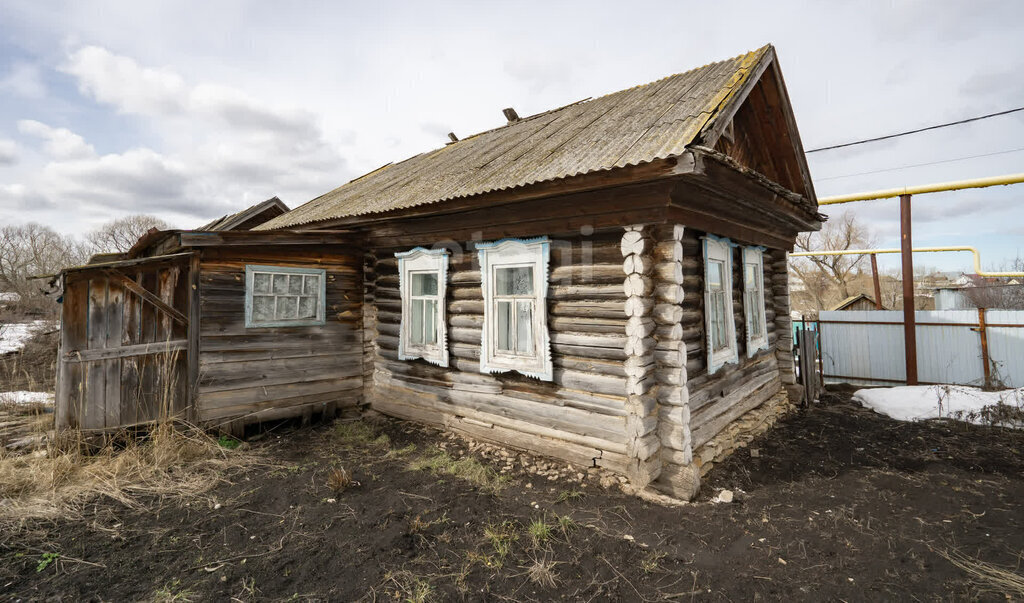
[{"x": 604, "y": 283}]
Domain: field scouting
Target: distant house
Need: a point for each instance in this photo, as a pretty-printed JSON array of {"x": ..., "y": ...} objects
[
  {"x": 857, "y": 302},
  {"x": 604, "y": 283}
]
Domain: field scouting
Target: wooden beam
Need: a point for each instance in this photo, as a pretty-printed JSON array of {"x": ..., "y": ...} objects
[
  {"x": 126, "y": 263},
  {"x": 148, "y": 296},
  {"x": 141, "y": 349},
  {"x": 192, "y": 334}
]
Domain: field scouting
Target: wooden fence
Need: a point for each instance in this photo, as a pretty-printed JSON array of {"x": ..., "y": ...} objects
[{"x": 123, "y": 355}]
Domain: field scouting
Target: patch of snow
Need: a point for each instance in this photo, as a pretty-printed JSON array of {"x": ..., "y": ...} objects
[
  {"x": 26, "y": 398},
  {"x": 9, "y": 296},
  {"x": 14, "y": 335},
  {"x": 919, "y": 402}
]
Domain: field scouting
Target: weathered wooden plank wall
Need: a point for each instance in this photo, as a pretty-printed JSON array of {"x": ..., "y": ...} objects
[
  {"x": 579, "y": 416},
  {"x": 122, "y": 360},
  {"x": 252, "y": 374}
]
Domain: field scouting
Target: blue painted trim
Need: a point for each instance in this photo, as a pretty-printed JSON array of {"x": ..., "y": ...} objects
[
  {"x": 735, "y": 358},
  {"x": 415, "y": 250},
  {"x": 251, "y": 269},
  {"x": 442, "y": 324},
  {"x": 491, "y": 244},
  {"x": 763, "y": 345},
  {"x": 547, "y": 366}
]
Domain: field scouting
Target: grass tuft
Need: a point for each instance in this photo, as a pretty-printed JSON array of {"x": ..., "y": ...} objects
[
  {"x": 539, "y": 531},
  {"x": 573, "y": 495},
  {"x": 542, "y": 573},
  {"x": 360, "y": 434},
  {"x": 467, "y": 468},
  {"x": 502, "y": 536}
]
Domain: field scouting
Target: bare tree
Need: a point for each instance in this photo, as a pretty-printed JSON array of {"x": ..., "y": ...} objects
[
  {"x": 1001, "y": 293},
  {"x": 828, "y": 277},
  {"x": 119, "y": 235},
  {"x": 33, "y": 250}
]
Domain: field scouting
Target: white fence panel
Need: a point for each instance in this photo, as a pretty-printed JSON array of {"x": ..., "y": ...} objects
[
  {"x": 855, "y": 350},
  {"x": 948, "y": 349},
  {"x": 866, "y": 347},
  {"x": 1006, "y": 346}
]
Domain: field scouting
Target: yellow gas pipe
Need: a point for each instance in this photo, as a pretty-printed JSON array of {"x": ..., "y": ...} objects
[
  {"x": 925, "y": 188},
  {"x": 977, "y": 256}
]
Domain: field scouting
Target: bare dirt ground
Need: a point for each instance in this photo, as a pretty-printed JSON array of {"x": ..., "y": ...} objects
[{"x": 836, "y": 503}]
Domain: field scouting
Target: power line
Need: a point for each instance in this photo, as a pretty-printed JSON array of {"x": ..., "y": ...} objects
[
  {"x": 936, "y": 127},
  {"x": 914, "y": 165}
]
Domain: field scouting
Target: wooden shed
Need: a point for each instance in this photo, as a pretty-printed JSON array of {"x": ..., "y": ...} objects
[
  {"x": 604, "y": 283},
  {"x": 172, "y": 331}
]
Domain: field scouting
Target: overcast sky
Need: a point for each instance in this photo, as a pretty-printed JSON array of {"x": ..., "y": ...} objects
[{"x": 190, "y": 110}]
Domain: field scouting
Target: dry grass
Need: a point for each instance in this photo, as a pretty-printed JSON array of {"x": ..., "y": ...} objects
[
  {"x": 988, "y": 577},
  {"x": 170, "y": 462},
  {"x": 467, "y": 468},
  {"x": 339, "y": 479}
]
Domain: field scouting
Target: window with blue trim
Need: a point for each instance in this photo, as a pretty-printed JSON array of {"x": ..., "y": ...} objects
[
  {"x": 515, "y": 337},
  {"x": 280, "y": 296},
  {"x": 753, "y": 299},
  {"x": 423, "y": 276},
  {"x": 719, "y": 324}
]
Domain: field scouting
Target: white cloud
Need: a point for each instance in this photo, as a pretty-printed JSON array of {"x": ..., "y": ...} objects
[
  {"x": 23, "y": 80},
  {"x": 60, "y": 143},
  {"x": 8, "y": 151},
  {"x": 120, "y": 81},
  {"x": 215, "y": 148}
]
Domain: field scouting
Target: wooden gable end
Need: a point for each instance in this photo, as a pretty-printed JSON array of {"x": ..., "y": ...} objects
[{"x": 761, "y": 134}]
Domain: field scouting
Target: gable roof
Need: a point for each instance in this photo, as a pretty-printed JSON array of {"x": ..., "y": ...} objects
[
  {"x": 639, "y": 125},
  {"x": 849, "y": 301},
  {"x": 249, "y": 217}
]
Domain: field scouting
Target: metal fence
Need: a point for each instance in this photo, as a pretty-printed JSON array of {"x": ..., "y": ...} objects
[{"x": 966, "y": 347}]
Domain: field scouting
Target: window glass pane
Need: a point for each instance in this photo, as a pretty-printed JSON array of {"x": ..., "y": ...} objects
[
  {"x": 716, "y": 272},
  {"x": 513, "y": 281},
  {"x": 295, "y": 284},
  {"x": 287, "y": 307},
  {"x": 311, "y": 285},
  {"x": 307, "y": 306},
  {"x": 280, "y": 283},
  {"x": 524, "y": 328},
  {"x": 261, "y": 282},
  {"x": 718, "y": 317},
  {"x": 416, "y": 324},
  {"x": 429, "y": 321},
  {"x": 504, "y": 327},
  {"x": 262, "y": 308},
  {"x": 424, "y": 283},
  {"x": 751, "y": 276}
]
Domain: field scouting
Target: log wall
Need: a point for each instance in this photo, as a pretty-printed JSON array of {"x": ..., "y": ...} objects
[
  {"x": 252, "y": 374},
  {"x": 718, "y": 398},
  {"x": 579, "y": 416}
]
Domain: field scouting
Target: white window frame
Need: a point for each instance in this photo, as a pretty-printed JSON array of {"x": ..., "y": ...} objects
[
  {"x": 250, "y": 274},
  {"x": 717, "y": 249},
  {"x": 420, "y": 260},
  {"x": 513, "y": 253},
  {"x": 754, "y": 308}
]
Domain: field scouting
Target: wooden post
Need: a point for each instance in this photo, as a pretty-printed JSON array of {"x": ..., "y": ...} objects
[
  {"x": 909, "y": 320},
  {"x": 984, "y": 348},
  {"x": 878, "y": 285}
]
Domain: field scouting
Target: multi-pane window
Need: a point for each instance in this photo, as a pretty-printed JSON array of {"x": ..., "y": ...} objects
[
  {"x": 753, "y": 299},
  {"x": 514, "y": 301},
  {"x": 278, "y": 296},
  {"x": 515, "y": 334},
  {"x": 718, "y": 318},
  {"x": 422, "y": 281}
]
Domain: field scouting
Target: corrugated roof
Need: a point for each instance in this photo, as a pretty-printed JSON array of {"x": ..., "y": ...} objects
[
  {"x": 272, "y": 207},
  {"x": 634, "y": 126}
]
